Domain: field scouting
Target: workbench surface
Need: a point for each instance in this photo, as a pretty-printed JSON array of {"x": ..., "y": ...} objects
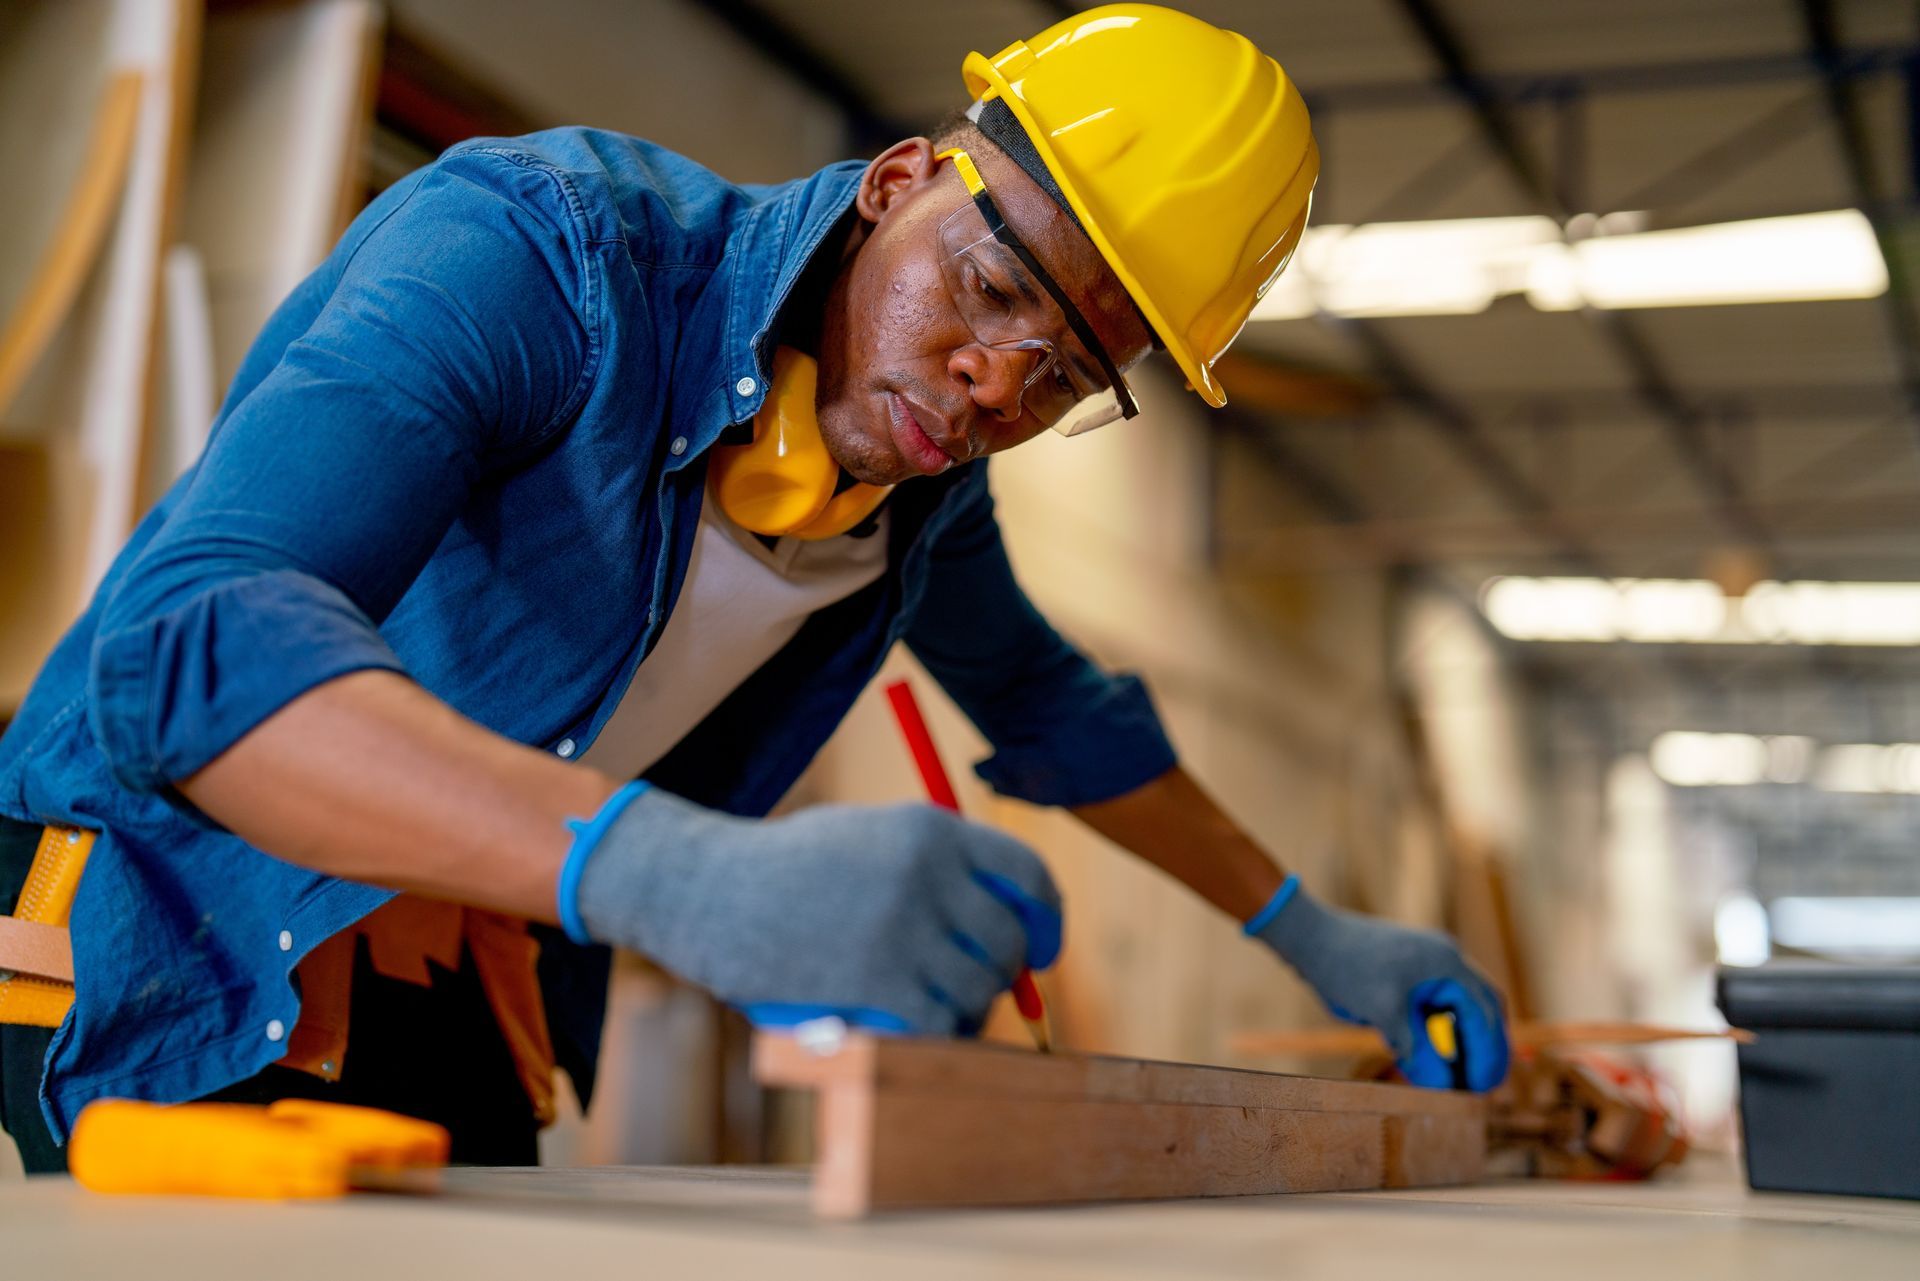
[{"x": 715, "y": 1224}]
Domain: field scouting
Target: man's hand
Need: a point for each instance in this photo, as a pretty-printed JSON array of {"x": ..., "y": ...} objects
[
  {"x": 1392, "y": 977},
  {"x": 903, "y": 919}
]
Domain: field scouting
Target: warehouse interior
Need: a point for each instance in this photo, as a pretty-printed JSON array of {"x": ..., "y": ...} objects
[{"x": 1551, "y": 578}]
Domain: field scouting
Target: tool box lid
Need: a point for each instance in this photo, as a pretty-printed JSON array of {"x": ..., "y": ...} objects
[{"x": 1811, "y": 995}]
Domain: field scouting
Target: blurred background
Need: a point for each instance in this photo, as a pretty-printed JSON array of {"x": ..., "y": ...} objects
[{"x": 1552, "y": 578}]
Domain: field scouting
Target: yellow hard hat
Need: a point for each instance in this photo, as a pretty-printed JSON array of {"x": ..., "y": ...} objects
[{"x": 1184, "y": 151}]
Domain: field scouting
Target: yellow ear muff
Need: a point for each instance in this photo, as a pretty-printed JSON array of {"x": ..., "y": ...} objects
[{"x": 781, "y": 484}]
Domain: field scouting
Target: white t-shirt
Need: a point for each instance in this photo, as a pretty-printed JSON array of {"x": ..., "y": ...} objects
[{"x": 741, "y": 602}]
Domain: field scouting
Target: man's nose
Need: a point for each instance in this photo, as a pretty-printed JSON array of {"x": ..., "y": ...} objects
[{"x": 996, "y": 378}]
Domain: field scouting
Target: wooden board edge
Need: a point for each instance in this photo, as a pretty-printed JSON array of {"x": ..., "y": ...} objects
[
  {"x": 999, "y": 1131},
  {"x": 958, "y": 1067}
]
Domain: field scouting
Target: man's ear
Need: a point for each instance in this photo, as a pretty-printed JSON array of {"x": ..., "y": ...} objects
[{"x": 898, "y": 169}]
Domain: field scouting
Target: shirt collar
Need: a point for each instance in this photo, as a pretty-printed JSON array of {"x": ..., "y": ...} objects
[{"x": 769, "y": 248}]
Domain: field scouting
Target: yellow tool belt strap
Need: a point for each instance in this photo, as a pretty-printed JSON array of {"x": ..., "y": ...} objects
[{"x": 36, "y": 957}]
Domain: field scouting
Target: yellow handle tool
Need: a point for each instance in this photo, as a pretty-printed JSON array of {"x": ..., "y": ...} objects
[
  {"x": 294, "y": 1149},
  {"x": 1444, "y": 1033}
]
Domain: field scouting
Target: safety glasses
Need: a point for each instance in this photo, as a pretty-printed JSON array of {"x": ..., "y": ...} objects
[{"x": 1010, "y": 303}]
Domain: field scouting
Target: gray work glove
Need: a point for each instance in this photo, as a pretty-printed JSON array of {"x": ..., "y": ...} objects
[
  {"x": 1392, "y": 977},
  {"x": 903, "y": 919}
]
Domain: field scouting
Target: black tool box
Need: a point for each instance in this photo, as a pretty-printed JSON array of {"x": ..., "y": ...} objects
[{"x": 1830, "y": 1087}]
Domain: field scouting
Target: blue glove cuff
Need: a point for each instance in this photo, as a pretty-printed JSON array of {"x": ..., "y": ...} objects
[
  {"x": 1281, "y": 897},
  {"x": 586, "y": 836}
]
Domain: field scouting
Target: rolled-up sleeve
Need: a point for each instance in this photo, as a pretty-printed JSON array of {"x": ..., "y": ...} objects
[
  {"x": 1064, "y": 732},
  {"x": 452, "y": 338}
]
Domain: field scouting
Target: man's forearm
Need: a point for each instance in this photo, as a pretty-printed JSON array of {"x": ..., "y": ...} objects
[
  {"x": 1173, "y": 824},
  {"x": 371, "y": 778}
]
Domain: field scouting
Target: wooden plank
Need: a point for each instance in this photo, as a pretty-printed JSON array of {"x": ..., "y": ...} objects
[
  {"x": 1337, "y": 1042},
  {"x": 929, "y": 1150},
  {"x": 73, "y": 434},
  {"x": 283, "y": 112},
  {"x": 957, "y": 1068},
  {"x": 64, "y": 263},
  {"x": 904, "y": 1123},
  {"x": 56, "y": 69},
  {"x": 45, "y": 512}
]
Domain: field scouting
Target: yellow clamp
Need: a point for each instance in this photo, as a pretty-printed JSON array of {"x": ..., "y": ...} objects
[{"x": 293, "y": 1149}]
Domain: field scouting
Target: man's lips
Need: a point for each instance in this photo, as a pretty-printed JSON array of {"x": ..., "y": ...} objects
[{"x": 919, "y": 449}]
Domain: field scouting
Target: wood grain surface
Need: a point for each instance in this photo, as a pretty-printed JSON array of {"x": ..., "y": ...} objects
[
  {"x": 907, "y": 1123},
  {"x": 755, "y": 1224},
  {"x": 1343, "y": 1042}
]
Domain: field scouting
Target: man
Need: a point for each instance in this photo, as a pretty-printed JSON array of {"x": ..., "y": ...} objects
[{"x": 574, "y": 465}]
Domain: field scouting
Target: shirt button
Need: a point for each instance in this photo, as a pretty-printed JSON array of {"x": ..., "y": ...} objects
[
  {"x": 745, "y": 386},
  {"x": 286, "y": 940},
  {"x": 275, "y": 1029},
  {"x": 565, "y": 748},
  {"x": 651, "y": 612},
  {"x": 679, "y": 445}
]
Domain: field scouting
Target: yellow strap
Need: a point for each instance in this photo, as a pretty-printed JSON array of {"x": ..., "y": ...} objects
[
  {"x": 968, "y": 173},
  {"x": 46, "y": 899}
]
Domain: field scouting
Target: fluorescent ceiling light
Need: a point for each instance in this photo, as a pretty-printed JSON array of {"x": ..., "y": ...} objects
[
  {"x": 1425, "y": 268},
  {"x": 1709, "y": 760},
  {"x": 1870, "y": 767},
  {"x": 1867, "y": 926},
  {"x": 1685, "y": 758},
  {"x": 1689, "y": 758},
  {"x": 1802, "y": 258},
  {"x": 1695, "y": 611},
  {"x": 1458, "y": 267}
]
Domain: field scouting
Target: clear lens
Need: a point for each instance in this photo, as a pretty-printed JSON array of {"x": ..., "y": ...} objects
[
  {"x": 1005, "y": 307},
  {"x": 1094, "y": 412}
]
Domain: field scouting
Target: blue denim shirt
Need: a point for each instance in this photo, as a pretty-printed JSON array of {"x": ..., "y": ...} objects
[{"x": 471, "y": 448}]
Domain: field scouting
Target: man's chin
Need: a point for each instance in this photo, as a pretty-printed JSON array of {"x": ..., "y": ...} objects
[
  {"x": 884, "y": 479},
  {"x": 868, "y": 460}
]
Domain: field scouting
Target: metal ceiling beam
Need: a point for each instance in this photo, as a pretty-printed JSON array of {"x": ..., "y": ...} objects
[
  {"x": 1518, "y": 88},
  {"x": 1459, "y": 429},
  {"x": 1407, "y": 566},
  {"x": 1320, "y": 488},
  {"x": 1850, "y": 121},
  {"x": 1496, "y": 125},
  {"x": 1607, "y": 407},
  {"x": 1736, "y": 153},
  {"x": 868, "y": 123},
  {"x": 1687, "y": 427}
]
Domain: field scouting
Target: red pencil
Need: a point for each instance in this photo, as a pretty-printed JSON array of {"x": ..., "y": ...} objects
[{"x": 933, "y": 774}]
